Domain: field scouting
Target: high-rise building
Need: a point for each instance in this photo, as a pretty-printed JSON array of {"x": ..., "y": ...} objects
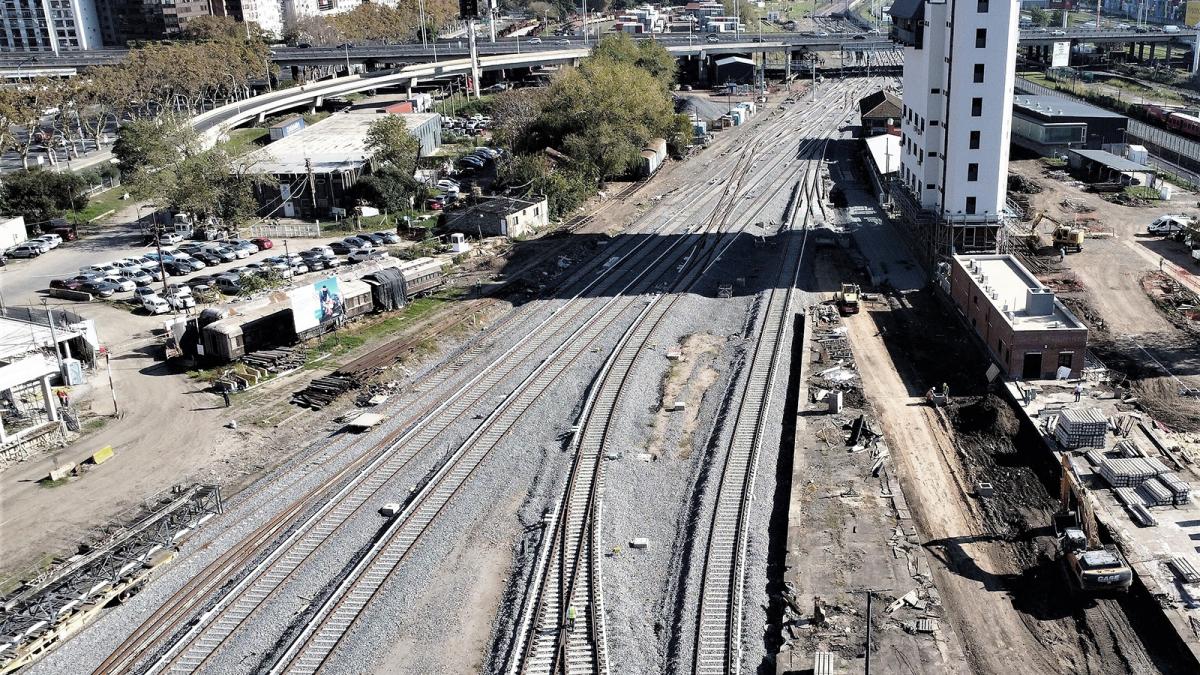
[
  {"x": 48, "y": 25},
  {"x": 959, "y": 61},
  {"x": 124, "y": 21}
]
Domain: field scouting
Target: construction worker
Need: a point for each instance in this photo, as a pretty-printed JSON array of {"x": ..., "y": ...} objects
[
  {"x": 571, "y": 618},
  {"x": 1078, "y": 391}
]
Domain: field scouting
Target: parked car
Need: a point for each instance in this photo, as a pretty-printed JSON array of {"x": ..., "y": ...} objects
[
  {"x": 179, "y": 301},
  {"x": 201, "y": 281},
  {"x": 446, "y": 184},
  {"x": 435, "y": 204},
  {"x": 299, "y": 268},
  {"x": 375, "y": 239},
  {"x": 157, "y": 257},
  {"x": 53, "y": 240},
  {"x": 326, "y": 251},
  {"x": 168, "y": 238},
  {"x": 314, "y": 261},
  {"x": 208, "y": 258},
  {"x": 139, "y": 293},
  {"x": 365, "y": 254},
  {"x": 71, "y": 284},
  {"x": 388, "y": 237},
  {"x": 99, "y": 288},
  {"x": 25, "y": 251},
  {"x": 244, "y": 245},
  {"x": 340, "y": 247},
  {"x": 140, "y": 277},
  {"x": 229, "y": 284},
  {"x": 101, "y": 269},
  {"x": 155, "y": 304},
  {"x": 178, "y": 268},
  {"x": 262, "y": 243},
  {"x": 358, "y": 242},
  {"x": 124, "y": 284},
  {"x": 233, "y": 253},
  {"x": 194, "y": 263},
  {"x": 127, "y": 266}
]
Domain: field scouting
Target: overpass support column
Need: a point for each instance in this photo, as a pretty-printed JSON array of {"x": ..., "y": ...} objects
[
  {"x": 787, "y": 66},
  {"x": 1196, "y": 53}
]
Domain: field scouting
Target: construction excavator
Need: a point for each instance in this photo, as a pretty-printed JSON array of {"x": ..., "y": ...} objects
[
  {"x": 847, "y": 299},
  {"x": 1091, "y": 567}
]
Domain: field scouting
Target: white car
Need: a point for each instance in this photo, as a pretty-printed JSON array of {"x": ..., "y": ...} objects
[
  {"x": 124, "y": 284},
  {"x": 25, "y": 251},
  {"x": 52, "y": 239},
  {"x": 446, "y": 184},
  {"x": 325, "y": 252},
  {"x": 237, "y": 252},
  {"x": 102, "y": 269},
  {"x": 535, "y": 41},
  {"x": 364, "y": 254},
  {"x": 155, "y": 304}
]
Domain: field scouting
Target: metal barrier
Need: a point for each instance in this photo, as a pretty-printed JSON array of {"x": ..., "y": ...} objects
[{"x": 284, "y": 230}]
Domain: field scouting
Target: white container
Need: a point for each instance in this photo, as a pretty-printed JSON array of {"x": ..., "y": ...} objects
[
  {"x": 1165, "y": 190},
  {"x": 72, "y": 372}
]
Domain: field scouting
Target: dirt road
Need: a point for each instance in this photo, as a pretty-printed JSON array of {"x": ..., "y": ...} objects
[{"x": 1006, "y": 603}]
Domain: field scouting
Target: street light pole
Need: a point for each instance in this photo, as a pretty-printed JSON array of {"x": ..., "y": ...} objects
[{"x": 421, "y": 6}]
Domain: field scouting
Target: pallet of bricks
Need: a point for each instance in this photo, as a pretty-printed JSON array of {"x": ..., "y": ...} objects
[{"x": 1081, "y": 428}]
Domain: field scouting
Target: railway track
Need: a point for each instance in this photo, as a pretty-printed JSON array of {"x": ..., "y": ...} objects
[
  {"x": 173, "y": 639},
  {"x": 718, "y": 642},
  {"x": 562, "y": 627}
]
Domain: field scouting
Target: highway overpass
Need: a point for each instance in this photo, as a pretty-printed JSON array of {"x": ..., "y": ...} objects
[{"x": 25, "y": 65}]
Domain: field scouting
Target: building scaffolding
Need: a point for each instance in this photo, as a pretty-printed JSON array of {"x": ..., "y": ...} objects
[{"x": 933, "y": 237}]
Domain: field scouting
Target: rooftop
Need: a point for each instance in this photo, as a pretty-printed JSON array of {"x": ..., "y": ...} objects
[
  {"x": 1114, "y": 162},
  {"x": 337, "y": 143},
  {"x": 885, "y": 152},
  {"x": 882, "y": 103},
  {"x": 498, "y": 206},
  {"x": 18, "y": 338},
  {"x": 1020, "y": 297},
  {"x": 1053, "y": 106}
]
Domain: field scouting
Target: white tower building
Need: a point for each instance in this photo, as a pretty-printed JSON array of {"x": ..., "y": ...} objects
[{"x": 959, "y": 62}]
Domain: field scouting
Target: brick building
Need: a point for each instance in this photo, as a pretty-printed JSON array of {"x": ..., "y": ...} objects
[{"x": 1027, "y": 331}]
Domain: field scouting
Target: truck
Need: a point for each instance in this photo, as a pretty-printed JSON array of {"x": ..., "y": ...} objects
[
  {"x": 847, "y": 299},
  {"x": 1092, "y": 568}
]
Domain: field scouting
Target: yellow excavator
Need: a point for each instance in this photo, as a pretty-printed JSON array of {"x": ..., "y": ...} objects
[
  {"x": 1065, "y": 237},
  {"x": 847, "y": 299},
  {"x": 1092, "y": 567}
]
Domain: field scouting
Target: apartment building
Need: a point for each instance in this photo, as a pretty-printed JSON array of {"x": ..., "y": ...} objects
[{"x": 51, "y": 26}]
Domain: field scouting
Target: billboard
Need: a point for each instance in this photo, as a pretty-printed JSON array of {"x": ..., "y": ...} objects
[
  {"x": 1060, "y": 55},
  {"x": 316, "y": 304}
]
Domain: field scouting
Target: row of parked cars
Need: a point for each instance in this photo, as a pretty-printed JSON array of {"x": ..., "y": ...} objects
[
  {"x": 471, "y": 126},
  {"x": 136, "y": 274},
  {"x": 32, "y": 248}
]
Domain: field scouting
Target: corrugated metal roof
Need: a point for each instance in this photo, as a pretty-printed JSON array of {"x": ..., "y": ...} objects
[
  {"x": 908, "y": 9},
  {"x": 1114, "y": 162}
]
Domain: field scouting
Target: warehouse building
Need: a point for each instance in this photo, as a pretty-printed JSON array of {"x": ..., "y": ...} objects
[
  {"x": 1026, "y": 329},
  {"x": 1049, "y": 125},
  {"x": 316, "y": 167},
  {"x": 500, "y": 217}
]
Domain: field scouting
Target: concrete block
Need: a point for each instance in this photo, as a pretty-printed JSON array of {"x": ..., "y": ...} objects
[
  {"x": 62, "y": 471},
  {"x": 390, "y": 509},
  {"x": 984, "y": 489},
  {"x": 640, "y": 542},
  {"x": 102, "y": 455}
]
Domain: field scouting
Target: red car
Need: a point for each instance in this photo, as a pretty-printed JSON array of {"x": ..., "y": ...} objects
[
  {"x": 435, "y": 204},
  {"x": 262, "y": 243}
]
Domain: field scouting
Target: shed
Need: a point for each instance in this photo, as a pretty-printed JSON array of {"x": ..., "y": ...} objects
[
  {"x": 737, "y": 69},
  {"x": 502, "y": 216},
  {"x": 286, "y": 128},
  {"x": 1100, "y": 166},
  {"x": 880, "y": 113}
]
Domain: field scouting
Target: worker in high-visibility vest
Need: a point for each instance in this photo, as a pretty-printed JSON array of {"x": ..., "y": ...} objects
[{"x": 571, "y": 618}]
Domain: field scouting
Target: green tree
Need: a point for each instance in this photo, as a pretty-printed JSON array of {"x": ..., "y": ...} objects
[
  {"x": 1056, "y": 18},
  {"x": 145, "y": 146},
  {"x": 389, "y": 141},
  {"x": 208, "y": 28},
  {"x": 565, "y": 188},
  {"x": 389, "y": 189},
  {"x": 40, "y": 195},
  {"x": 1039, "y": 16},
  {"x": 648, "y": 55}
]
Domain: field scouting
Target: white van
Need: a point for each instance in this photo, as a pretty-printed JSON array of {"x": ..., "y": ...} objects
[{"x": 155, "y": 304}]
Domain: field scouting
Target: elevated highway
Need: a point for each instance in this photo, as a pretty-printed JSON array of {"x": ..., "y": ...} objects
[{"x": 26, "y": 65}]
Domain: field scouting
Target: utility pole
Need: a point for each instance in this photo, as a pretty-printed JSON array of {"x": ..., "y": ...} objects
[
  {"x": 424, "y": 44},
  {"x": 312, "y": 182},
  {"x": 585, "y": 24},
  {"x": 53, "y": 334},
  {"x": 475, "y": 71}
]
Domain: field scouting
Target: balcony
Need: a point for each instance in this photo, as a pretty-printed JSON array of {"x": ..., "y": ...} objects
[{"x": 908, "y": 18}]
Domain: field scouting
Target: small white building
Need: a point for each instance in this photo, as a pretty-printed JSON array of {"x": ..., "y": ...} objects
[
  {"x": 12, "y": 231},
  {"x": 500, "y": 216}
]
